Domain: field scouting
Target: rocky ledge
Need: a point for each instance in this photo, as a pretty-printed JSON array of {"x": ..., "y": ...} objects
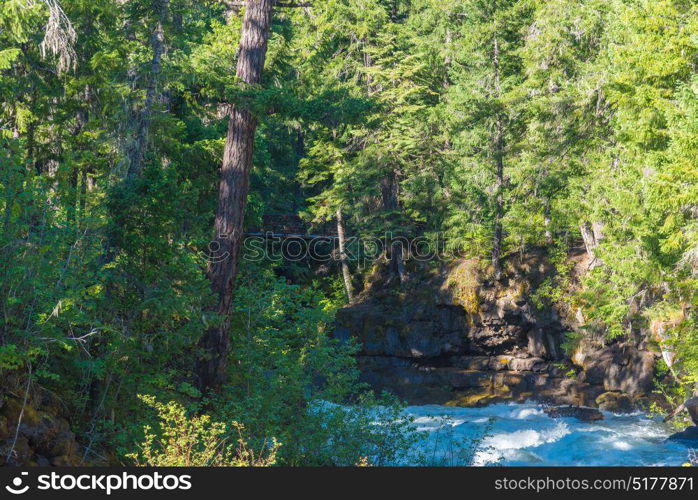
[
  {"x": 482, "y": 380},
  {"x": 583, "y": 413},
  {"x": 475, "y": 381},
  {"x": 34, "y": 429},
  {"x": 449, "y": 336}
]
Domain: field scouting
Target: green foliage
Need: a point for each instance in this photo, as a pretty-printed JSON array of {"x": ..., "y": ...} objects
[
  {"x": 387, "y": 110},
  {"x": 196, "y": 441},
  {"x": 10, "y": 358},
  {"x": 554, "y": 289},
  {"x": 290, "y": 378},
  {"x": 571, "y": 341}
]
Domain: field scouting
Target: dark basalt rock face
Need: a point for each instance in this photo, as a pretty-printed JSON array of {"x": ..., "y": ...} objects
[
  {"x": 450, "y": 337},
  {"x": 688, "y": 436},
  {"x": 619, "y": 367}
]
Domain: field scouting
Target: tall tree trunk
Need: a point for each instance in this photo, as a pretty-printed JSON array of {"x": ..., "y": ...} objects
[
  {"x": 83, "y": 196},
  {"x": 80, "y": 121},
  {"x": 136, "y": 152},
  {"x": 371, "y": 87},
  {"x": 597, "y": 230},
  {"x": 391, "y": 204},
  {"x": 546, "y": 222},
  {"x": 447, "y": 59},
  {"x": 232, "y": 194},
  {"x": 592, "y": 234},
  {"x": 343, "y": 259},
  {"x": 398, "y": 257},
  {"x": 499, "y": 172}
]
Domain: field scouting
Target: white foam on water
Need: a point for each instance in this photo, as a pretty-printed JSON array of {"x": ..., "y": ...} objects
[
  {"x": 527, "y": 412},
  {"x": 622, "y": 445},
  {"x": 522, "y": 434},
  {"x": 430, "y": 421},
  {"x": 504, "y": 445},
  {"x": 527, "y": 438}
]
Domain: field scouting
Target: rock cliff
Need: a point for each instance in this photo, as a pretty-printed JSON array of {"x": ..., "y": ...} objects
[{"x": 451, "y": 336}]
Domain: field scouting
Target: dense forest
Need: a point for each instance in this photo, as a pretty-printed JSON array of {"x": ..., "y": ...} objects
[{"x": 142, "y": 139}]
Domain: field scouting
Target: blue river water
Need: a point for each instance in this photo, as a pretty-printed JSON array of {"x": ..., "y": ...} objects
[{"x": 522, "y": 434}]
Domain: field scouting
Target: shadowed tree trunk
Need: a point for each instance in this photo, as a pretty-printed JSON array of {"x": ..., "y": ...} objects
[
  {"x": 341, "y": 234},
  {"x": 136, "y": 153},
  {"x": 546, "y": 222},
  {"x": 395, "y": 245},
  {"x": 232, "y": 194},
  {"x": 81, "y": 117},
  {"x": 499, "y": 173}
]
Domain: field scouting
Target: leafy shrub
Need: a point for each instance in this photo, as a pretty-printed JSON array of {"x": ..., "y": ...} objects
[
  {"x": 293, "y": 381},
  {"x": 197, "y": 441}
]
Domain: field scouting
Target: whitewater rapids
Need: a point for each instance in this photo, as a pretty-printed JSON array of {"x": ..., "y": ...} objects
[{"x": 523, "y": 435}]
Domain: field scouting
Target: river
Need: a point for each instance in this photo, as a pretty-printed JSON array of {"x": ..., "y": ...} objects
[{"x": 522, "y": 434}]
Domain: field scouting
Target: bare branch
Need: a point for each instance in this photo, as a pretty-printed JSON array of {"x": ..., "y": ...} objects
[{"x": 59, "y": 37}]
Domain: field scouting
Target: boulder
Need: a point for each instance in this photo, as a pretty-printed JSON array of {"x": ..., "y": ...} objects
[
  {"x": 688, "y": 437},
  {"x": 473, "y": 399},
  {"x": 499, "y": 362},
  {"x": 19, "y": 454},
  {"x": 526, "y": 364},
  {"x": 551, "y": 347},
  {"x": 517, "y": 382},
  {"x": 615, "y": 402},
  {"x": 495, "y": 336},
  {"x": 43, "y": 433},
  {"x": 408, "y": 329},
  {"x": 579, "y": 412}
]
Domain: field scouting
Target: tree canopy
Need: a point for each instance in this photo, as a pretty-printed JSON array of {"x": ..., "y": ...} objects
[{"x": 497, "y": 125}]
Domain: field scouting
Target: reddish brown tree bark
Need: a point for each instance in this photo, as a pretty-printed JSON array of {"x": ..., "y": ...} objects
[{"x": 232, "y": 194}]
